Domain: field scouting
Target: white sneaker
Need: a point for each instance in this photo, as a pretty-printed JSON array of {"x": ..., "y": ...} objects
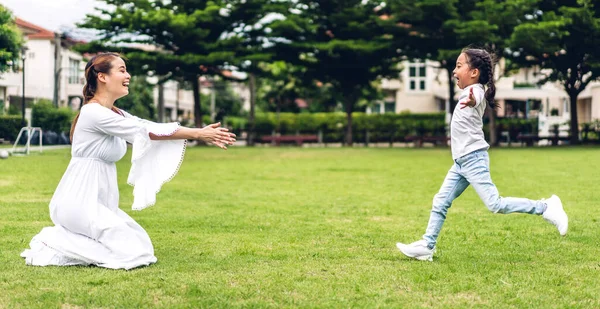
[
  {"x": 556, "y": 215},
  {"x": 417, "y": 250}
]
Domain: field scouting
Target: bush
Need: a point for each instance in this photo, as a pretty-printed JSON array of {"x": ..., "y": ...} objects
[
  {"x": 516, "y": 126},
  {"x": 50, "y": 118},
  {"x": 380, "y": 127},
  {"x": 235, "y": 124},
  {"x": 10, "y": 126}
]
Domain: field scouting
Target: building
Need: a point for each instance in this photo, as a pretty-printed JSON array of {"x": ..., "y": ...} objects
[
  {"x": 423, "y": 87},
  {"x": 52, "y": 70}
]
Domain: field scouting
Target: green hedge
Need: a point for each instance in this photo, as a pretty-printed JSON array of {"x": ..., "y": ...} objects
[
  {"x": 380, "y": 127},
  {"x": 10, "y": 126},
  {"x": 513, "y": 126},
  {"x": 50, "y": 118}
]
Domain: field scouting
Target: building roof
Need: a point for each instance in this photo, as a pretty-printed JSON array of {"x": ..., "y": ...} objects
[{"x": 33, "y": 31}]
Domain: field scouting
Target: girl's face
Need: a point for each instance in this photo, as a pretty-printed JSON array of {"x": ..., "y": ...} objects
[
  {"x": 117, "y": 79},
  {"x": 463, "y": 74}
]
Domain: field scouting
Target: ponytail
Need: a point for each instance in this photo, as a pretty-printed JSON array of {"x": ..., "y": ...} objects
[
  {"x": 483, "y": 61},
  {"x": 101, "y": 63}
]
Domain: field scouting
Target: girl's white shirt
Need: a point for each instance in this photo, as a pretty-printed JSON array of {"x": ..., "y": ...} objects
[{"x": 466, "y": 127}]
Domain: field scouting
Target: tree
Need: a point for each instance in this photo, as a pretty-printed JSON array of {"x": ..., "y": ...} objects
[
  {"x": 345, "y": 44},
  {"x": 440, "y": 29},
  {"x": 285, "y": 83},
  {"x": 251, "y": 23},
  {"x": 505, "y": 15},
  {"x": 10, "y": 40},
  {"x": 140, "y": 100},
  {"x": 227, "y": 102},
  {"x": 179, "y": 38},
  {"x": 281, "y": 87},
  {"x": 561, "y": 38}
]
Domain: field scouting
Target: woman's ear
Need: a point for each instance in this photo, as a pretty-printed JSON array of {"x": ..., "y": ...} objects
[{"x": 102, "y": 77}]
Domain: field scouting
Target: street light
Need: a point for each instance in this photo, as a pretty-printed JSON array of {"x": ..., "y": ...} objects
[{"x": 23, "y": 52}]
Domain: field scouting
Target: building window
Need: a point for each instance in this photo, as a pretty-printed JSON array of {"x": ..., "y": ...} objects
[
  {"x": 169, "y": 114},
  {"x": 390, "y": 106},
  {"x": 417, "y": 76},
  {"x": 376, "y": 108},
  {"x": 522, "y": 109},
  {"x": 74, "y": 71}
]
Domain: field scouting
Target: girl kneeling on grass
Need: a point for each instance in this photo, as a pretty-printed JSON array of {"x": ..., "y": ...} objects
[
  {"x": 474, "y": 69},
  {"x": 89, "y": 228}
]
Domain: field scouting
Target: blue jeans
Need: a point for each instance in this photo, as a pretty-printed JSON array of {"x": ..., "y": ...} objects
[{"x": 474, "y": 169}]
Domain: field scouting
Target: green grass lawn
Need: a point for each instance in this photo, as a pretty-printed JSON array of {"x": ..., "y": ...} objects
[{"x": 313, "y": 228}]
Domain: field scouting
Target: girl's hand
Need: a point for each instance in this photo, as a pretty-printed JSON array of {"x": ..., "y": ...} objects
[
  {"x": 216, "y": 135},
  {"x": 470, "y": 102}
]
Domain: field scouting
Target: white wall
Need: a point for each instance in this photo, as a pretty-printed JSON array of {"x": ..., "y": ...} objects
[
  {"x": 242, "y": 90},
  {"x": 3, "y": 97},
  {"x": 186, "y": 100},
  {"x": 70, "y": 89},
  {"x": 416, "y": 102},
  {"x": 39, "y": 67},
  {"x": 595, "y": 88},
  {"x": 420, "y": 101}
]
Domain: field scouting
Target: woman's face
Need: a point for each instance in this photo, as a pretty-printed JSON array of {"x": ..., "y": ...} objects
[{"x": 117, "y": 79}]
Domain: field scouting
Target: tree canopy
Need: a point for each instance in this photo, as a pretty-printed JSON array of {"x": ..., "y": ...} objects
[
  {"x": 344, "y": 44},
  {"x": 562, "y": 39},
  {"x": 10, "y": 40}
]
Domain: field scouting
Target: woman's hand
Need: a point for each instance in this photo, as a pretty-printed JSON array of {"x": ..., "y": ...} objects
[{"x": 216, "y": 135}]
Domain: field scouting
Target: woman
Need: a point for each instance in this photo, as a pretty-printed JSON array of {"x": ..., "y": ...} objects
[{"x": 90, "y": 229}]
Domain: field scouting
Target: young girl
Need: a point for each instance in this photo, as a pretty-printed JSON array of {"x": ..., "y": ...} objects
[
  {"x": 475, "y": 68},
  {"x": 89, "y": 228}
]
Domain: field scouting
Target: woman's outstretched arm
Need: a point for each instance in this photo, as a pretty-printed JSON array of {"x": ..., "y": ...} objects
[{"x": 211, "y": 134}]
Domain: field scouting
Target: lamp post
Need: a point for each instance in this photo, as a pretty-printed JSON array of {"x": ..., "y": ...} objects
[{"x": 23, "y": 52}]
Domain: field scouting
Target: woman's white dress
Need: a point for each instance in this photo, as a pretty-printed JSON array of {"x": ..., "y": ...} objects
[{"x": 89, "y": 228}]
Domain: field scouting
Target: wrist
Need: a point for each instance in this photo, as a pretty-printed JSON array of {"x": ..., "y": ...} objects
[{"x": 199, "y": 134}]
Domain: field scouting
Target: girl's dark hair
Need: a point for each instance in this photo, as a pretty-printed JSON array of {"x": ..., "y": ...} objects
[
  {"x": 483, "y": 61},
  {"x": 100, "y": 63}
]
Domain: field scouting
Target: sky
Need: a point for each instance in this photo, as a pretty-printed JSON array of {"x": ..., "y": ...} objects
[{"x": 51, "y": 14}]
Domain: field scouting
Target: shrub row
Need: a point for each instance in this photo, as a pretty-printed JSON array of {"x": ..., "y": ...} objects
[
  {"x": 50, "y": 118},
  {"x": 380, "y": 127},
  {"x": 10, "y": 126}
]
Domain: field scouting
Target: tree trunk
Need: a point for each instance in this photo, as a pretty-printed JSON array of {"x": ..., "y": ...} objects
[
  {"x": 161, "y": 102},
  {"x": 177, "y": 102},
  {"x": 349, "y": 104},
  {"x": 57, "y": 71},
  {"x": 251, "y": 118},
  {"x": 197, "y": 104},
  {"x": 574, "y": 125},
  {"x": 278, "y": 114},
  {"x": 492, "y": 125}
]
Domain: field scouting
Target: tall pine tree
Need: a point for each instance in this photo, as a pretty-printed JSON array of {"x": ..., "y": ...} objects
[
  {"x": 563, "y": 39},
  {"x": 346, "y": 44},
  {"x": 177, "y": 38}
]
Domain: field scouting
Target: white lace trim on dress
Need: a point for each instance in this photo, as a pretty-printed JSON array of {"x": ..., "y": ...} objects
[{"x": 154, "y": 163}]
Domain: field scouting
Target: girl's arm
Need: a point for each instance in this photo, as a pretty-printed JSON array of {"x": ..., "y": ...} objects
[{"x": 211, "y": 134}]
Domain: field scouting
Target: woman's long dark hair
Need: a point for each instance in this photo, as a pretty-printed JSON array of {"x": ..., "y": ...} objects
[
  {"x": 483, "y": 61},
  {"x": 101, "y": 63}
]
